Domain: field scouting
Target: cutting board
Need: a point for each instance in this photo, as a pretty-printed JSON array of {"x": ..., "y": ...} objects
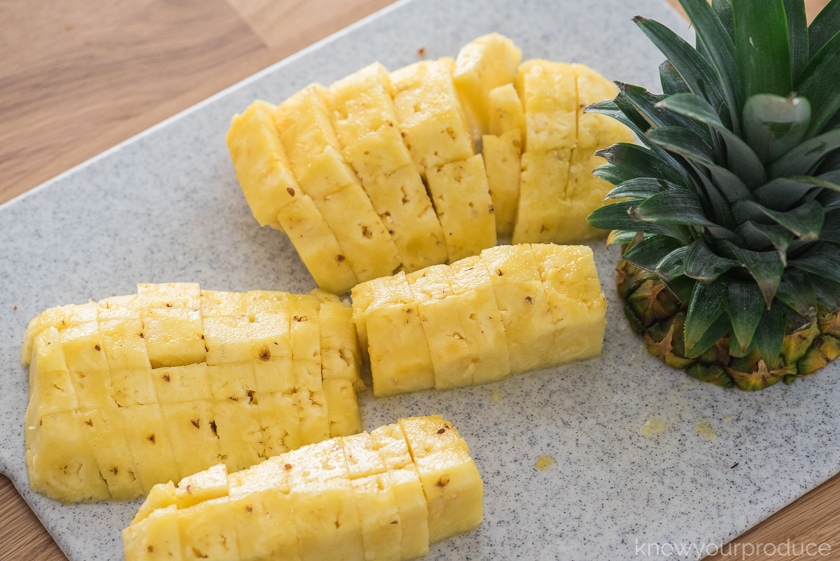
[{"x": 572, "y": 464}]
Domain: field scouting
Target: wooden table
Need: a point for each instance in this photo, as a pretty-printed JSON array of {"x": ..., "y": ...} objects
[{"x": 79, "y": 77}]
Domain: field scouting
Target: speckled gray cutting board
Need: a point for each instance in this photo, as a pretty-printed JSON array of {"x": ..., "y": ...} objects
[{"x": 165, "y": 206}]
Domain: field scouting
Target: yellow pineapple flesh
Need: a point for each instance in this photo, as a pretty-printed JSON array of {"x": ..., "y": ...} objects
[
  {"x": 383, "y": 495},
  {"x": 258, "y": 388}
]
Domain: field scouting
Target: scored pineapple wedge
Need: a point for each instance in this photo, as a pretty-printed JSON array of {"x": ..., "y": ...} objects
[
  {"x": 270, "y": 376},
  {"x": 511, "y": 309},
  {"x": 393, "y": 156},
  {"x": 384, "y": 495}
]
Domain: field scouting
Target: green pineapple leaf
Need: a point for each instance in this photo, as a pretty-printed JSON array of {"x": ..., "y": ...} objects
[
  {"x": 804, "y": 158},
  {"x": 632, "y": 121},
  {"x": 672, "y": 82},
  {"x": 775, "y": 125},
  {"x": 824, "y": 27},
  {"x": 744, "y": 308},
  {"x": 679, "y": 207},
  {"x": 721, "y": 51},
  {"x": 739, "y": 155},
  {"x": 647, "y": 253},
  {"x": 823, "y": 260},
  {"x": 797, "y": 293},
  {"x": 818, "y": 82},
  {"x": 647, "y": 105},
  {"x": 706, "y": 321},
  {"x": 620, "y": 237},
  {"x": 766, "y": 267},
  {"x": 723, "y": 9},
  {"x": 672, "y": 265},
  {"x": 797, "y": 29},
  {"x": 640, "y": 188},
  {"x": 762, "y": 48},
  {"x": 828, "y": 292},
  {"x": 639, "y": 162},
  {"x": 770, "y": 334},
  {"x": 763, "y": 236},
  {"x": 704, "y": 265},
  {"x": 695, "y": 70},
  {"x": 784, "y": 192},
  {"x": 805, "y": 221},
  {"x": 616, "y": 217},
  {"x": 831, "y": 227},
  {"x": 613, "y": 174}
]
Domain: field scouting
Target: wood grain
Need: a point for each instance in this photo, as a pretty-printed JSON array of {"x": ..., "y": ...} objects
[{"x": 79, "y": 77}]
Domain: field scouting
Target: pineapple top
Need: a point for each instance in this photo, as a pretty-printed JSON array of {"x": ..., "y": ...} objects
[{"x": 734, "y": 198}]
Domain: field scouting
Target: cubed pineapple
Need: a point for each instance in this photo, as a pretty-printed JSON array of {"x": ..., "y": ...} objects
[
  {"x": 506, "y": 112},
  {"x": 485, "y": 63},
  {"x": 502, "y": 160},
  {"x": 430, "y": 116},
  {"x": 462, "y": 200},
  {"x": 442, "y": 316}
]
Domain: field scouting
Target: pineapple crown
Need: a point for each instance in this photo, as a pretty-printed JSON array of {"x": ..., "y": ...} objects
[{"x": 733, "y": 200}]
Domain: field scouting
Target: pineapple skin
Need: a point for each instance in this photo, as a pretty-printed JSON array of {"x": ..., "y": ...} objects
[
  {"x": 103, "y": 424},
  {"x": 378, "y": 496}
]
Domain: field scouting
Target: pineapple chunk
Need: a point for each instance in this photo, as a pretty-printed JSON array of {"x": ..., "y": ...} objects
[
  {"x": 482, "y": 65},
  {"x": 371, "y": 496},
  {"x": 261, "y": 392},
  {"x": 260, "y": 162},
  {"x": 322, "y": 172},
  {"x": 403, "y": 478},
  {"x": 309, "y": 397},
  {"x": 206, "y": 485},
  {"x": 60, "y": 460},
  {"x": 524, "y": 306},
  {"x": 442, "y": 318},
  {"x": 156, "y": 537},
  {"x": 388, "y": 322},
  {"x": 462, "y": 199},
  {"x": 317, "y": 245},
  {"x": 364, "y": 117},
  {"x": 506, "y": 112},
  {"x": 106, "y": 434},
  {"x": 60, "y": 318},
  {"x": 430, "y": 116},
  {"x": 503, "y": 312},
  {"x": 149, "y": 443},
  {"x": 502, "y": 157},
  {"x": 594, "y": 132},
  {"x": 485, "y": 331},
  {"x": 451, "y": 482},
  {"x": 577, "y": 303},
  {"x": 326, "y": 516},
  {"x": 542, "y": 212},
  {"x": 206, "y": 532}
]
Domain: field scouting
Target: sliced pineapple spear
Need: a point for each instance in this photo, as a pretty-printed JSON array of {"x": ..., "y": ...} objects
[
  {"x": 436, "y": 131},
  {"x": 511, "y": 309},
  {"x": 557, "y": 189},
  {"x": 137, "y": 390},
  {"x": 276, "y": 199},
  {"x": 363, "y": 114},
  {"x": 384, "y": 495}
]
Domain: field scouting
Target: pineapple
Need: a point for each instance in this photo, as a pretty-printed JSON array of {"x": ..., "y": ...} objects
[
  {"x": 728, "y": 213},
  {"x": 307, "y": 135},
  {"x": 511, "y": 309},
  {"x": 483, "y": 64},
  {"x": 436, "y": 131},
  {"x": 363, "y": 114},
  {"x": 276, "y": 199},
  {"x": 258, "y": 388},
  {"x": 379, "y": 172},
  {"x": 383, "y": 495}
]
